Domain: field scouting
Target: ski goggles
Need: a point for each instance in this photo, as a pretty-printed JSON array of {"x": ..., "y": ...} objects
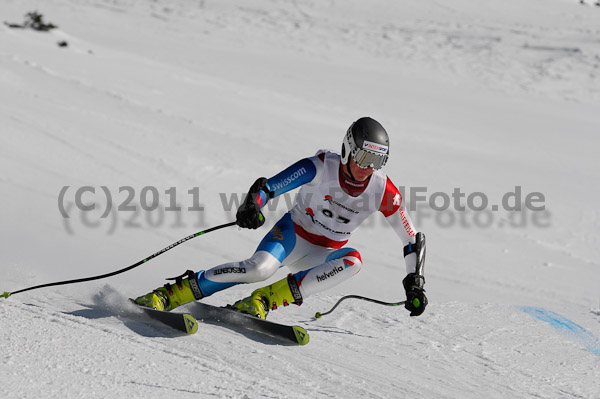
[
  {"x": 368, "y": 159},
  {"x": 371, "y": 155}
]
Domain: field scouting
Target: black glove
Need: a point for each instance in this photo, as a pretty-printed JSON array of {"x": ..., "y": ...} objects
[
  {"x": 248, "y": 214},
  {"x": 416, "y": 301}
]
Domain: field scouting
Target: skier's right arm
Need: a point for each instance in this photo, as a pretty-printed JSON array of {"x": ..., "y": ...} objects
[{"x": 302, "y": 172}]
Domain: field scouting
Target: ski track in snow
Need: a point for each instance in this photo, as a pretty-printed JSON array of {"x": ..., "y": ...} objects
[
  {"x": 106, "y": 347},
  {"x": 213, "y": 94}
]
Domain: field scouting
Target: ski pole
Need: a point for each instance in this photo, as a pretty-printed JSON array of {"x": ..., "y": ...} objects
[
  {"x": 318, "y": 315},
  {"x": 162, "y": 251}
]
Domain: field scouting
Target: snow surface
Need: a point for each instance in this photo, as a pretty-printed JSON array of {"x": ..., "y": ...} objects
[{"x": 482, "y": 96}]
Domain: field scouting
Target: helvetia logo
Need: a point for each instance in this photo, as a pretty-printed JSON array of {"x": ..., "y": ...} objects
[{"x": 332, "y": 273}]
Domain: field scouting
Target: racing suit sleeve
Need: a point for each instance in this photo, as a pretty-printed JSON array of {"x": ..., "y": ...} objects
[
  {"x": 302, "y": 172},
  {"x": 392, "y": 207}
]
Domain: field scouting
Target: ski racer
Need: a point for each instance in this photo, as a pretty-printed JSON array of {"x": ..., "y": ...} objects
[{"x": 337, "y": 193}]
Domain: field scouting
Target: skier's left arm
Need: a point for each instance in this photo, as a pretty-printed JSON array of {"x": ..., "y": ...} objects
[{"x": 393, "y": 208}]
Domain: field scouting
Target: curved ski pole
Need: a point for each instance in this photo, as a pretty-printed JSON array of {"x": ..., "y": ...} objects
[
  {"x": 162, "y": 251},
  {"x": 318, "y": 315}
]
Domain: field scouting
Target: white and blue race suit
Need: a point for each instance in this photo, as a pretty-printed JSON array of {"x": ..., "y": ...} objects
[{"x": 310, "y": 239}]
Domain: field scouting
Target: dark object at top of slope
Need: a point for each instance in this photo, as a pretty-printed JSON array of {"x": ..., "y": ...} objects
[{"x": 33, "y": 20}]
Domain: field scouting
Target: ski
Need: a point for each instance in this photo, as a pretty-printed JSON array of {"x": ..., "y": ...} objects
[
  {"x": 183, "y": 322},
  {"x": 204, "y": 312}
]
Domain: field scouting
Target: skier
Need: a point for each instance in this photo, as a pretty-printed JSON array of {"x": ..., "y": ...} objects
[{"x": 338, "y": 192}]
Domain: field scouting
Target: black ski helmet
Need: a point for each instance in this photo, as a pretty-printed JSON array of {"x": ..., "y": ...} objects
[{"x": 368, "y": 143}]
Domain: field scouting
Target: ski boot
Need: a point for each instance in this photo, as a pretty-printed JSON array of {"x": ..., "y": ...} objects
[
  {"x": 171, "y": 296},
  {"x": 264, "y": 299}
]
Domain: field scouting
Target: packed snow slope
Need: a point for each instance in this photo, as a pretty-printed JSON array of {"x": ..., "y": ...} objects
[{"x": 163, "y": 108}]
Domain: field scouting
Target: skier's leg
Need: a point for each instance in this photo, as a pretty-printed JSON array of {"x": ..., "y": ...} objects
[
  {"x": 270, "y": 253},
  {"x": 275, "y": 247},
  {"x": 260, "y": 266},
  {"x": 339, "y": 266}
]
